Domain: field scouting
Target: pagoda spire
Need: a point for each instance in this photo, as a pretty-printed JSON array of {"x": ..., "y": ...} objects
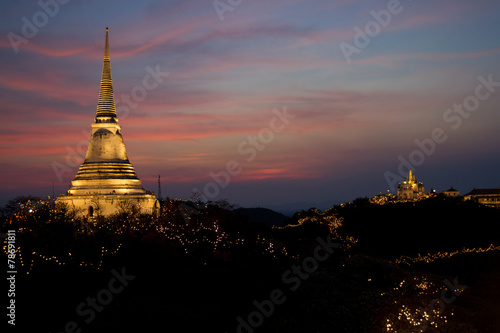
[
  {"x": 106, "y": 182},
  {"x": 106, "y": 110}
]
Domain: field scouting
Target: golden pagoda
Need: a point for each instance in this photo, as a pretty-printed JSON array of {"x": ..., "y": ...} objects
[
  {"x": 106, "y": 182},
  {"x": 410, "y": 188}
]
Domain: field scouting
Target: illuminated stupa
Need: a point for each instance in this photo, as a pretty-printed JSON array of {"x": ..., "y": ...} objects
[
  {"x": 410, "y": 188},
  {"x": 106, "y": 182}
]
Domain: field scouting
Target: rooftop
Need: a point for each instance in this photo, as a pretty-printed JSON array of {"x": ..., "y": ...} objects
[{"x": 484, "y": 191}]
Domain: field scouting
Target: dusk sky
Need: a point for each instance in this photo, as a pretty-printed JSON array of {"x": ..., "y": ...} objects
[{"x": 355, "y": 83}]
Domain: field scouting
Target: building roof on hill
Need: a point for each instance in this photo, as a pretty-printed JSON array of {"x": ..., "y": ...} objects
[
  {"x": 451, "y": 189},
  {"x": 484, "y": 191}
]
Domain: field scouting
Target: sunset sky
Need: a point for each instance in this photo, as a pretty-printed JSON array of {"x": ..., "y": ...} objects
[{"x": 353, "y": 115}]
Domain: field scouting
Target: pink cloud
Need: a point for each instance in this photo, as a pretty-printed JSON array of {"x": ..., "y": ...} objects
[
  {"x": 32, "y": 46},
  {"x": 49, "y": 84},
  {"x": 394, "y": 60}
]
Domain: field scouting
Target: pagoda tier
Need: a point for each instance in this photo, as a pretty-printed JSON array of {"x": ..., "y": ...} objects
[{"x": 106, "y": 181}]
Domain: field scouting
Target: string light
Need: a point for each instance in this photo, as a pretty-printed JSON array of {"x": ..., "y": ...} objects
[
  {"x": 28, "y": 267},
  {"x": 411, "y": 317},
  {"x": 197, "y": 231},
  {"x": 443, "y": 255},
  {"x": 334, "y": 224}
]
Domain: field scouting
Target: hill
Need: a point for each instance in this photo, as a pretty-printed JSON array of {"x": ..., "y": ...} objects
[
  {"x": 262, "y": 215},
  {"x": 215, "y": 269},
  {"x": 409, "y": 228}
]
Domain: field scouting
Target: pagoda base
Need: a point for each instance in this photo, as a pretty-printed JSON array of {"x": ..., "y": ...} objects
[{"x": 89, "y": 206}]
